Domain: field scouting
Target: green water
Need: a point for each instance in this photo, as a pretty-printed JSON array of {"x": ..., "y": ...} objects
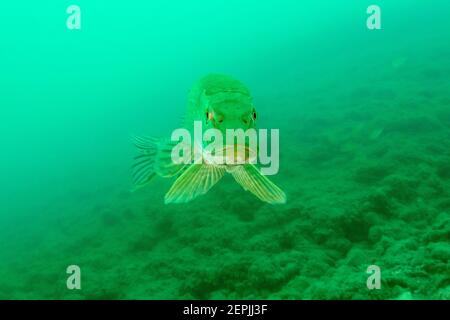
[{"x": 364, "y": 119}]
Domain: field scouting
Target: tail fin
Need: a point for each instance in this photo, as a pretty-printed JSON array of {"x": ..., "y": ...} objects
[{"x": 143, "y": 167}]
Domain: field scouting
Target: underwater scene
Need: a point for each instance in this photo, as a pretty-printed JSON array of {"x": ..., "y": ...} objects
[{"x": 358, "y": 203}]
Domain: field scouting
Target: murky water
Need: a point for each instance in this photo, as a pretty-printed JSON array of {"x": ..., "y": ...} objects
[{"x": 364, "y": 120}]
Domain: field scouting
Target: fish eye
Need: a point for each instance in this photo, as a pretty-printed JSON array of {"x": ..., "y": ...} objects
[
  {"x": 218, "y": 117},
  {"x": 254, "y": 115}
]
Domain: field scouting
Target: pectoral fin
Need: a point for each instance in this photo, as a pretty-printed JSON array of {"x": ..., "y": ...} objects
[
  {"x": 249, "y": 177},
  {"x": 194, "y": 181}
]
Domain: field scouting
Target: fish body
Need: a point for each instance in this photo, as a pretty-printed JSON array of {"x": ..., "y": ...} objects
[{"x": 217, "y": 102}]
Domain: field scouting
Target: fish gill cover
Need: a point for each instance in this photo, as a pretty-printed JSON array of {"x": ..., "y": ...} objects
[{"x": 364, "y": 123}]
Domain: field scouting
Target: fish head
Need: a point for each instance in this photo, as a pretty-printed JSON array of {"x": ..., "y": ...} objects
[
  {"x": 238, "y": 115},
  {"x": 232, "y": 114}
]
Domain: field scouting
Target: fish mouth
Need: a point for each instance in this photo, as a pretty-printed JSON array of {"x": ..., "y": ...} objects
[{"x": 235, "y": 154}]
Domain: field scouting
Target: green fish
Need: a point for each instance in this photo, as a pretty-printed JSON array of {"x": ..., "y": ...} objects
[{"x": 220, "y": 102}]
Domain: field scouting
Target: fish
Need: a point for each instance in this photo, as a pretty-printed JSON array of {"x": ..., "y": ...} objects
[{"x": 221, "y": 102}]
